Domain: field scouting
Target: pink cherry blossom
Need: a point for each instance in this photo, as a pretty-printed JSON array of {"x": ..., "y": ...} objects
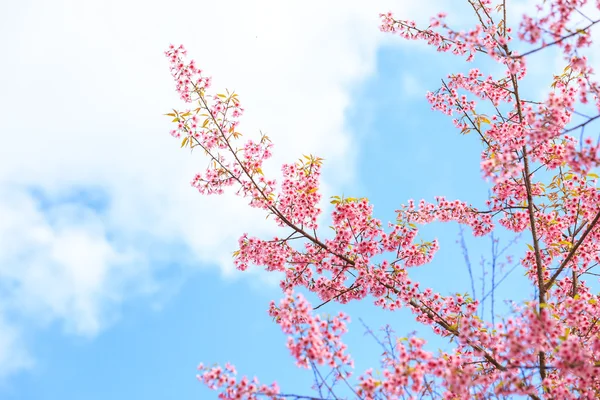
[{"x": 549, "y": 348}]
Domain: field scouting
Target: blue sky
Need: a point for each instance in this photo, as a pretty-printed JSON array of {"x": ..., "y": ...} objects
[{"x": 117, "y": 278}]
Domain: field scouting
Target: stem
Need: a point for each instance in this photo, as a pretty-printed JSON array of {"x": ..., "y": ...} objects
[
  {"x": 538, "y": 258},
  {"x": 530, "y": 206},
  {"x": 572, "y": 252}
]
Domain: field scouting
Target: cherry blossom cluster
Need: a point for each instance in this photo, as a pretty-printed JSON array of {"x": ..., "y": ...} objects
[
  {"x": 311, "y": 338},
  {"x": 445, "y": 211},
  {"x": 188, "y": 77},
  {"x": 244, "y": 389},
  {"x": 212, "y": 127},
  {"x": 553, "y": 27},
  {"x": 412, "y": 371},
  {"x": 554, "y": 24},
  {"x": 550, "y": 347},
  {"x": 299, "y": 199}
]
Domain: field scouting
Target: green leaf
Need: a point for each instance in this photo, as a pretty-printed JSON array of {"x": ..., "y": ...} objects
[{"x": 530, "y": 247}]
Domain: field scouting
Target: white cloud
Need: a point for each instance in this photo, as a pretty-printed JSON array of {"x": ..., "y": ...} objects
[
  {"x": 84, "y": 87},
  {"x": 55, "y": 266}
]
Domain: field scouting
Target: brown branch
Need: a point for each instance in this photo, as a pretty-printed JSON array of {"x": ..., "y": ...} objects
[
  {"x": 572, "y": 252},
  {"x": 530, "y": 206}
]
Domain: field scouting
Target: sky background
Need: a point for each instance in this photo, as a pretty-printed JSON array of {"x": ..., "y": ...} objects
[{"x": 116, "y": 277}]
